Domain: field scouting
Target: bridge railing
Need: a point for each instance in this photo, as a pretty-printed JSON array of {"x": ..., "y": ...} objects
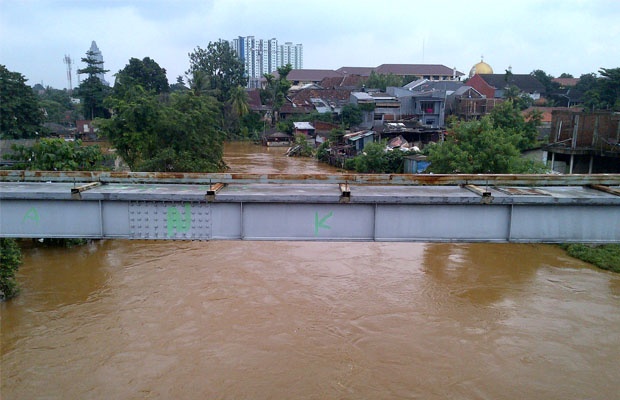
[{"x": 346, "y": 178}]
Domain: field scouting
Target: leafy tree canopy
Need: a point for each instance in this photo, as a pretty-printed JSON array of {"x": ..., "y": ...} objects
[
  {"x": 237, "y": 106},
  {"x": 274, "y": 93},
  {"x": 216, "y": 70},
  {"x": 57, "y": 106},
  {"x": 351, "y": 115},
  {"x": 92, "y": 90},
  {"x": 20, "y": 111},
  {"x": 601, "y": 93},
  {"x": 478, "y": 147},
  {"x": 177, "y": 134},
  {"x": 382, "y": 81},
  {"x": 57, "y": 155},
  {"x": 10, "y": 260},
  {"x": 376, "y": 159},
  {"x": 179, "y": 86},
  {"x": 610, "y": 88},
  {"x": 146, "y": 73},
  {"x": 510, "y": 118},
  {"x": 546, "y": 80}
]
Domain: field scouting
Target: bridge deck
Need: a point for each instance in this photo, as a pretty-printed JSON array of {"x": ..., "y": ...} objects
[
  {"x": 312, "y": 193},
  {"x": 501, "y": 209}
]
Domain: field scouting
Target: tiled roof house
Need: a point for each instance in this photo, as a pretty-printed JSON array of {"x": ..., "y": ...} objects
[{"x": 494, "y": 85}]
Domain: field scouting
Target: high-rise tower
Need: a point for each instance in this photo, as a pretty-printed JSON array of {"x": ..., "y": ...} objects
[
  {"x": 262, "y": 57},
  {"x": 99, "y": 57}
]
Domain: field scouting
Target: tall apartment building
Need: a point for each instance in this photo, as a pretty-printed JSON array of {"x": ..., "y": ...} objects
[
  {"x": 265, "y": 56},
  {"x": 99, "y": 57}
]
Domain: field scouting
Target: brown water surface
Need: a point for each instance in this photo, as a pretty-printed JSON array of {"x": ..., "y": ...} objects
[{"x": 121, "y": 319}]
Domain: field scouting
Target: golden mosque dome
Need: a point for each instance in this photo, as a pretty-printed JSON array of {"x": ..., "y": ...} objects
[{"x": 480, "y": 68}]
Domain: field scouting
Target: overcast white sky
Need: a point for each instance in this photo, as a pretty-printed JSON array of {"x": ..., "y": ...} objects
[{"x": 573, "y": 36}]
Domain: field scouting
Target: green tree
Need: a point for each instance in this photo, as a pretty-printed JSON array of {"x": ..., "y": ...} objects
[
  {"x": 188, "y": 139},
  {"x": 609, "y": 88},
  {"x": 601, "y": 93},
  {"x": 58, "y": 107},
  {"x": 377, "y": 159},
  {"x": 253, "y": 124},
  {"x": 275, "y": 91},
  {"x": 305, "y": 149},
  {"x": 57, "y": 155},
  {"x": 509, "y": 118},
  {"x": 146, "y": 73},
  {"x": 546, "y": 80},
  {"x": 20, "y": 111},
  {"x": 372, "y": 160},
  {"x": 351, "y": 115},
  {"x": 565, "y": 75},
  {"x": 588, "y": 85},
  {"x": 382, "y": 81},
  {"x": 216, "y": 70},
  {"x": 134, "y": 125},
  {"x": 10, "y": 261},
  {"x": 286, "y": 126},
  {"x": 179, "y": 134},
  {"x": 91, "y": 90},
  {"x": 336, "y": 136},
  {"x": 477, "y": 147},
  {"x": 238, "y": 105},
  {"x": 519, "y": 100},
  {"x": 179, "y": 86}
]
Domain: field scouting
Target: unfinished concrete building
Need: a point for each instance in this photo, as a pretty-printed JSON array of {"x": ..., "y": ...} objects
[{"x": 584, "y": 142}]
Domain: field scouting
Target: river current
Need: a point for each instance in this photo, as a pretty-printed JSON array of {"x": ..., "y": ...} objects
[{"x": 120, "y": 319}]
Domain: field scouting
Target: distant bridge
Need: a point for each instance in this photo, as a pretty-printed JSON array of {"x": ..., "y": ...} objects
[{"x": 343, "y": 207}]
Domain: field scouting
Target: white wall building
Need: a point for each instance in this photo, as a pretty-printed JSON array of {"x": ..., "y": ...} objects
[{"x": 262, "y": 57}]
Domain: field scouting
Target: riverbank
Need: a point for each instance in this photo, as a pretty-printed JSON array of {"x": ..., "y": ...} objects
[{"x": 606, "y": 256}]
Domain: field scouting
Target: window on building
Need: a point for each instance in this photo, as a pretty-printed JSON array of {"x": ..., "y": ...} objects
[{"x": 427, "y": 107}]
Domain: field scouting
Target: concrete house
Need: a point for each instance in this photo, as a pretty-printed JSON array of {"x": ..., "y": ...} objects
[
  {"x": 359, "y": 140},
  {"x": 376, "y": 107},
  {"x": 584, "y": 142},
  {"x": 467, "y": 103},
  {"x": 426, "y": 100}
]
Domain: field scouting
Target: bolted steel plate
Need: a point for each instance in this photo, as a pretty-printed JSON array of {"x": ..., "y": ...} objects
[{"x": 169, "y": 220}]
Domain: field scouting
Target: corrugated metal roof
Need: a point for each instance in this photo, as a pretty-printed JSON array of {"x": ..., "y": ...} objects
[{"x": 303, "y": 125}]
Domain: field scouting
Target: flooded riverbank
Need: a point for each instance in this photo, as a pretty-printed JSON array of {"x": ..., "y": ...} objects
[{"x": 307, "y": 320}]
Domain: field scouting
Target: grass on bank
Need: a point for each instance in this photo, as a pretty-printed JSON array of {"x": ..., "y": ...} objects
[{"x": 606, "y": 256}]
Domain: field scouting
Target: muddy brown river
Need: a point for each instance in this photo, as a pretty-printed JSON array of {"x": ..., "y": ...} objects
[{"x": 120, "y": 319}]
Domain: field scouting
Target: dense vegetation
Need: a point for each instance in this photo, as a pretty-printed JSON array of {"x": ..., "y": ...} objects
[
  {"x": 603, "y": 256},
  {"x": 20, "y": 114},
  {"x": 10, "y": 260},
  {"x": 492, "y": 144},
  {"x": 598, "y": 92},
  {"x": 49, "y": 154},
  {"x": 155, "y": 126}
]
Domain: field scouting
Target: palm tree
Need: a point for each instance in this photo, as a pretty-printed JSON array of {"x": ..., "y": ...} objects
[
  {"x": 238, "y": 105},
  {"x": 512, "y": 93},
  {"x": 239, "y": 102}
]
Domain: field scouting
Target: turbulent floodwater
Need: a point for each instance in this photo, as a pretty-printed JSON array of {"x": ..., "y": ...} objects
[{"x": 305, "y": 320}]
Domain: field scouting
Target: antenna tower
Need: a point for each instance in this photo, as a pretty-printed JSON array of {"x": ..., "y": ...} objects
[{"x": 68, "y": 61}]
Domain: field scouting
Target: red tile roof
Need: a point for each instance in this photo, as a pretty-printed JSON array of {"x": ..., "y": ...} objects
[
  {"x": 416, "y": 70},
  {"x": 310, "y": 75},
  {"x": 566, "y": 82},
  {"x": 346, "y": 81},
  {"x": 362, "y": 71}
]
